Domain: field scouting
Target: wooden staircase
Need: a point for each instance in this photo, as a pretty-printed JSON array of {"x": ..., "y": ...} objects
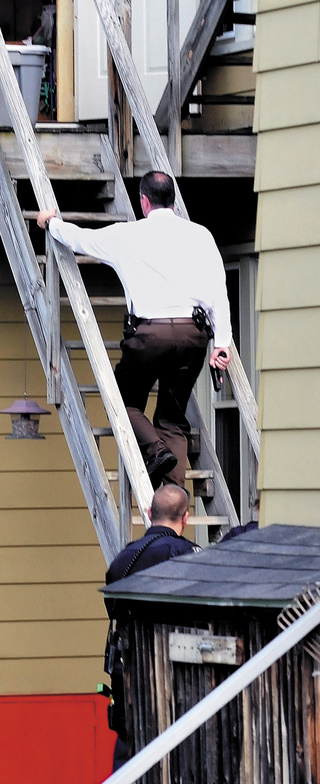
[{"x": 41, "y": 303}]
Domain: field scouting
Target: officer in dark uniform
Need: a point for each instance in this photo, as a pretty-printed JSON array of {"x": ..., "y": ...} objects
[{"x": 169, "y": 513}]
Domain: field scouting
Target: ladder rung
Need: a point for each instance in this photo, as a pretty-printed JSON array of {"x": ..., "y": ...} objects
[
  {"x": 42, "y": 259},
  {"x": 199, "y": 473},
  {"x": 98, "y": 301},
  {"x": 80, "y": 217},
  {"x": 88, "y": 388},
  {"x": 78, "y": 345},
  {"x": 190, "y": 474},
  {"x": 102, "y": 431}
]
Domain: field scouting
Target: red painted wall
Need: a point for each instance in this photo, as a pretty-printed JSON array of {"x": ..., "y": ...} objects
[{"x": 55, "y": 739}]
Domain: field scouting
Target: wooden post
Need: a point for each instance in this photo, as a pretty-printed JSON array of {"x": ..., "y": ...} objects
[
  {"x": 174, "y": 129},
  {"x": 120, "y": 128}
]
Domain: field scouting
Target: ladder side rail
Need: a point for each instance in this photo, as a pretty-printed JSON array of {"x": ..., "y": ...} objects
[
  {"x": 244, "y": 398},
  {"x": 74, "y": 421},
  {"x": 125, "y": 505},
  {"x": 104, "y": 376},
  {"x": 221, "y": 503},
  {"x": 76, "y": 291},
  {"x": 53, "y": 369},
  {"x": 136, "y": 96},
  {"x": 174, "y": 124}
]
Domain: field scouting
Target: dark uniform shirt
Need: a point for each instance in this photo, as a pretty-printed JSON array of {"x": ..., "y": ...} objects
[{"x": 167, "y": 545}]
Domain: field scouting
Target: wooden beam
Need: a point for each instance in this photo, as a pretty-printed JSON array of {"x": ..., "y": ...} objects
[
  {"x": 174, "y": 126},
  {"x": 120, "y": 127},
  {"x": 208, "y": 156},
  {"x": 195, "y": 49}
]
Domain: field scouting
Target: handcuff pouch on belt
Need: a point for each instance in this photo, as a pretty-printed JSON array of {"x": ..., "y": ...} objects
[{"x": 202, "y": 321}]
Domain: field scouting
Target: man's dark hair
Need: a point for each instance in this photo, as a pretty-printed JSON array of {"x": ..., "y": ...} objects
[
  {"x": 159, "y": 189},
  {"x": 170, "y": 502}
]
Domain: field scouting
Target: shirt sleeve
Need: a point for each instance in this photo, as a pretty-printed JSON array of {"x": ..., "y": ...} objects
[{"x": 100, "y": 243}]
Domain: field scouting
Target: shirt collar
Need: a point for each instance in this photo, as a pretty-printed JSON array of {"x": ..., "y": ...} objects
[{"x": 160, "y": 211}]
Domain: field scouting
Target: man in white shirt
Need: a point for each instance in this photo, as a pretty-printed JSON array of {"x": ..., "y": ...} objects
[{"x": 167, "y": 266}]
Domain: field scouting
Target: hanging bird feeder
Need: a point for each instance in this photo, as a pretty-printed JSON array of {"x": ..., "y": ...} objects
[{"x": 25, "y": 416}]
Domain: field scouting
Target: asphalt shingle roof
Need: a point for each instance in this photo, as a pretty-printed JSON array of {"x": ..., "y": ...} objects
[{"x": 266, "y": 567}]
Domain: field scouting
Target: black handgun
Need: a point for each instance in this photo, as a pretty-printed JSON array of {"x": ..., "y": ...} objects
[{"x": 216, "y": 374}]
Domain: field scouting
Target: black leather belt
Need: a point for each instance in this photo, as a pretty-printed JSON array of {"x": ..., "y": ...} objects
[{"x": 166, "y": 321}]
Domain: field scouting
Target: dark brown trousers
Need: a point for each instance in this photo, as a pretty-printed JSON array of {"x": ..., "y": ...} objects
[{"x": 173, "y": 354}]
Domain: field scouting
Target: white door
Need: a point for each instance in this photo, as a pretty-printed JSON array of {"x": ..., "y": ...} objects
[{"x": 149, "y": 49}]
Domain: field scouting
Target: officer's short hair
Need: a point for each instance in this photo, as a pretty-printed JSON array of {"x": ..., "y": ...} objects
[
  {"x": 170, "y": 502},
  {"x": 159, "y": 188}
]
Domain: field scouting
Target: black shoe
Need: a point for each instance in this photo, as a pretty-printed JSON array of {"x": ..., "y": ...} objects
[{"x": 159, "y": 465}]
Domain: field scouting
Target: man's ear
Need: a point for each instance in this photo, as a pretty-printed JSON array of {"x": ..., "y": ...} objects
[
  {"x": 149, "y": 514},
  {"x": 185, "y": 519}
]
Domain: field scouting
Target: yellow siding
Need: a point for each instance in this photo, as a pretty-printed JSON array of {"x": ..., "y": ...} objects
[
  {"x": 289, "y": 339},
  {"x": 289, "y": 279},
  {"x": 59, "y": 602},
  {"x": 282, "y": 399},
  {"x": 51, "y": 676},
  {"x": 288, "y": 218},
  {"x": 52, "y": 618},
  {"x": 292, "y": 507},
  {"x": 277, "y": 42},
  {"x": 30, "y": 525},
  {"x": 287, "y": 119},
  {"x": 298, "y": 158},
  {"x": 269, "y": 5},
  {"x": 290, "y": 460},
  {"x": 52, "y": 639},
  {"x": 287, "y": 98}
]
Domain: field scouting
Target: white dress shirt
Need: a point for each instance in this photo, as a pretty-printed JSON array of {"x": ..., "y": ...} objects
[{"x": 166, "y": 265}]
